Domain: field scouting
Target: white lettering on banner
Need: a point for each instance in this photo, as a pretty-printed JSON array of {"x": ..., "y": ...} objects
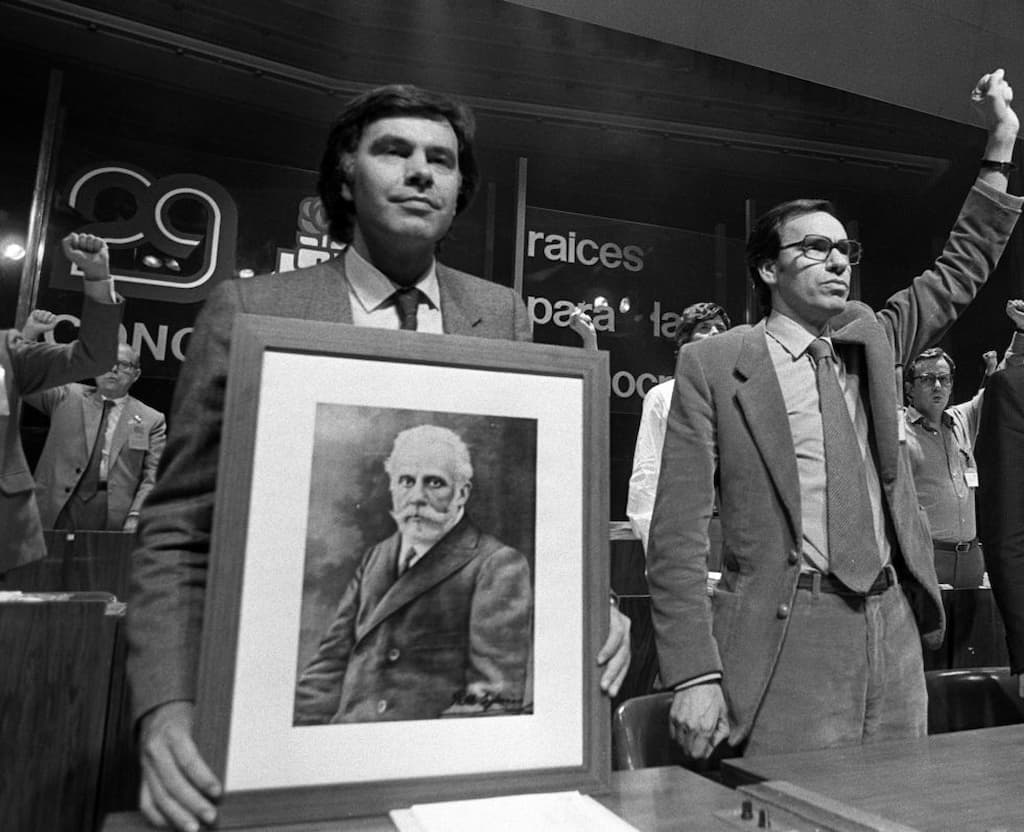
[
  {"x": 625, "y": 384},
  {"x": 586, "y": 252},
  {"x": 157, "y": 349},
  {"x": 544, "y": 311},
  {"x": 666, "y": 324}
]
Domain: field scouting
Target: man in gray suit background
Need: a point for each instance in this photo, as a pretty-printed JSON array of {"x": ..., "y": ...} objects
[
  {"x": 101, "y": 453},
  {"x": 398, "y": 167}
]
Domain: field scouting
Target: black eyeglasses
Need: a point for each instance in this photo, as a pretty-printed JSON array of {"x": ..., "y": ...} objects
[
  {"x": 929, "y": 379},
  {"x": 123, "y": 367},
  {"x": 817, "y": 247}
]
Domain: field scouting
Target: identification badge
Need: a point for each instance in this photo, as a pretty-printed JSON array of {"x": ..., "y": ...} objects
[
  {"x": 138, "y": 439},
  {"x": 971, "y": 477},
  {"x": 5, "y": 409},
  {"x": 901, "y": 424}
]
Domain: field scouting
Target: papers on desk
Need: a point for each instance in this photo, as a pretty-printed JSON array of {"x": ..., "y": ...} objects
[{"x": 552, "y": 812}]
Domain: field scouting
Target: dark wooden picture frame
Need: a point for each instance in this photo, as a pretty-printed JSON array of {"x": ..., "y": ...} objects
[{"x": 567, "y": 387}]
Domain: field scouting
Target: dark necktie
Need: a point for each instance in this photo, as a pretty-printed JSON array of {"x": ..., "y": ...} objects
[
  {"x": 404, "y": 559},
  {"x": 852, "y": 554},
  {"x": 407, "y": 302},
  {"x": 88, "y": 484}
]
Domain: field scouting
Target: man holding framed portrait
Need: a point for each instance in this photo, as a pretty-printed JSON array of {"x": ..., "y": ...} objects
[{"x": 398, "y": 167}]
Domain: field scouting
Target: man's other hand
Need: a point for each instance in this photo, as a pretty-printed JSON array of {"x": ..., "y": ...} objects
[
  {"x": 699, "y": 719},
  {"x": 178, "y": 789},
  {"x": 614, "y": 654}
]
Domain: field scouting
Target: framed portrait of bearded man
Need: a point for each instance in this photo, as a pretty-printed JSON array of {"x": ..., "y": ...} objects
[{"x": 409, "y": 573}]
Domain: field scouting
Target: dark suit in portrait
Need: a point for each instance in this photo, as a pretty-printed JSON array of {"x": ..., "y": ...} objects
[
  {"x": 450, "y": 636},
  {"x": 1000, "y": 457}
]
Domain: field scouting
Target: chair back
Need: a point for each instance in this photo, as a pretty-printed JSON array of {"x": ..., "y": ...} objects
[
  {"x": 640, "y": 737},
  {"x": 977, "y": 697}
]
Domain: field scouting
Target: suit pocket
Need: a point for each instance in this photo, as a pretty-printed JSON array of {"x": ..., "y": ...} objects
[{"x": 16, "y": 482}]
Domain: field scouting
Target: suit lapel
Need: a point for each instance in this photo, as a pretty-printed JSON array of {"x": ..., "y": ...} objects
[
  {"x": 459, "y": 311},
  {"x": 759, "y": 395},
  {"x": 879, "y": 367},
  {"x": 449, "y": 555}
]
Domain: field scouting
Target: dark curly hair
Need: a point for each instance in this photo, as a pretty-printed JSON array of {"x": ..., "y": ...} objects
[
  {"x": 695, "y": 314},
  {"x": 386, "y": 102}
]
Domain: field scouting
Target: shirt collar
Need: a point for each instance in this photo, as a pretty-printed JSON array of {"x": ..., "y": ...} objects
[
  {"x": 373, "y": 289},
  {"x": 792, "y": 337},
  {"x": 916, "y": 417}
]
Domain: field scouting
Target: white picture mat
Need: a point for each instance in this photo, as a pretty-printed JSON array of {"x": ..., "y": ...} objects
[{"x": 264, "y": 749}]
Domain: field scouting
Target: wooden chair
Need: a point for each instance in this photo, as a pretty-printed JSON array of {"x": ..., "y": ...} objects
[{"x": 977, "y": 697}]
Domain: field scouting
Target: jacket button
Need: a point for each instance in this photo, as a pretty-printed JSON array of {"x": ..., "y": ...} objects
[
  {"x": 393, "y": 654},
  {"x": 782, "y": 611},
  {"x": 794, "y": 557},
  {"x": 382, "y": 706}
]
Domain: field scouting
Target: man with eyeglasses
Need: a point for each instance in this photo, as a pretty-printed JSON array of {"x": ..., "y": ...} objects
[
  {"x": 809, "y": 640},
  {"x": 940, "y": 440},
  {"x": 101, "y": 453}
]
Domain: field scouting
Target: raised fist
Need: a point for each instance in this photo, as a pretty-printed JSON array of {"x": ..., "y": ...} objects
[{"x": 89, "y": 253}]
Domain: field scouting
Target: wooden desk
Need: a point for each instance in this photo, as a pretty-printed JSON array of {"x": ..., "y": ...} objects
[
  {"x": 652, "y": 799},
  {"x": 972, "y": 780},
  {"x": 55, "y": 670}
]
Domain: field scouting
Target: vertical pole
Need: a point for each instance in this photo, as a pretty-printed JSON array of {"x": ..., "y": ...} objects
[
  {"x": 520, "y": 225},
  {"x": 751, "y": 311},
  {"x": 42, "y": 197}
]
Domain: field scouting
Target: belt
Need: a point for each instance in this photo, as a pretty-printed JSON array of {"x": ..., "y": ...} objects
[
  {"x": 965, "y": 546},
  {"x": 829, "y": 583}
]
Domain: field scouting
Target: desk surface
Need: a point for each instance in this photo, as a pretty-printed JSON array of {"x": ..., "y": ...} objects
[
  {"x": 652, "y": 799},
  {"x": 971, "y": 780}
]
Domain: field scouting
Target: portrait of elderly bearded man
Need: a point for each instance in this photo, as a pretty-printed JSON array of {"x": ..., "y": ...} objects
[{"x": 437, "y": 619}]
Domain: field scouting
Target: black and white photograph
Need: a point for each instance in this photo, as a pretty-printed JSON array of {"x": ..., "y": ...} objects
[{"x": 418, "y": 588}]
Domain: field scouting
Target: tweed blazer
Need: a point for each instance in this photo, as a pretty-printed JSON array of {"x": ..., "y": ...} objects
[
  {"x": 169, "y": 567},
  {"x": 135, "y": 448},
  {"x": 728, "y": 414},
  {"x": 456, "y": 626},
  {"x": 1000, "y": 455},
  {"x": 28, "y": 367}
]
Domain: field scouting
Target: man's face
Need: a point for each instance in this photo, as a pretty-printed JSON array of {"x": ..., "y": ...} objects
[
  {"x": 809, "y": 291},
  {"x": 404, "y": 180},
  {"x": 705, "y": 329},
  {"x": 115, "y": 382},
  {"x": 424, "y": 494},
  {"x": 930, "y": 389}
]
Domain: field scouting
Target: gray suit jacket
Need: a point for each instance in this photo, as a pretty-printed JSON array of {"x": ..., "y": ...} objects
[
  {"x": 165, "y": 615},
  {"x": 28, "y": 367},
  {"x": 728, "y": 414},
  {"x": 457, "y": 624},
  {"x": 135, "y": 450}
]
